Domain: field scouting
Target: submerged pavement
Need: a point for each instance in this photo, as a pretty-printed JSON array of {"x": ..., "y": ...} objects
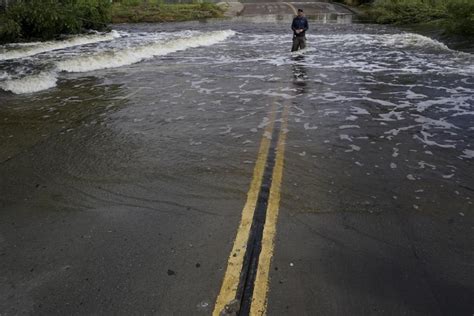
[
  {"x": 311, "y": 8},
  {"x": 263, "y": 9},
  {"x": 145, "y": 180}
]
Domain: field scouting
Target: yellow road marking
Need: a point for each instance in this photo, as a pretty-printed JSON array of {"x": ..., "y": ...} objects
[
  {"x": 259, "y": 300},
  {"x": 292, "y": 7},
  {"x": 236, "y": 258}
]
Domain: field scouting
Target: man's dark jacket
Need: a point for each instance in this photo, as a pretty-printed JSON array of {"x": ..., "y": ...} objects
[{"x": 299, "y": 22}]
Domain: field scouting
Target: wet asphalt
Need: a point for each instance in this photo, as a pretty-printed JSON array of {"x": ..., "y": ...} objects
[{"x": 121, "y": 195}]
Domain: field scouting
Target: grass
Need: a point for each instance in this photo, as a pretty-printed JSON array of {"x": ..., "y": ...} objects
[{"x": 135, "y": 11}]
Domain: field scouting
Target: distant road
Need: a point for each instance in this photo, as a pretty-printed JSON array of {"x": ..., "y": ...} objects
[{"x": 263, "y": 7}]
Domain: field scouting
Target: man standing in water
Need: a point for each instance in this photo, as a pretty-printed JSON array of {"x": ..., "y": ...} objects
[{"x": 299, "y": 27}]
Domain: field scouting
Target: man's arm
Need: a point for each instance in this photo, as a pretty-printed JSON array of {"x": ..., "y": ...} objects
[
  {"x": 306, "y": 26},
  {"x": 293, "y": 26}
]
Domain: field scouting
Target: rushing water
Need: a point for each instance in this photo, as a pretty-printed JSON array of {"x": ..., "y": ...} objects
[
  {"x": 374, "y": 97},
  {"x": 381, "y": 122}
]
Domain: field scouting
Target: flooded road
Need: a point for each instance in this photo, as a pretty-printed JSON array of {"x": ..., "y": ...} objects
[{"x": 127, "y": 157}]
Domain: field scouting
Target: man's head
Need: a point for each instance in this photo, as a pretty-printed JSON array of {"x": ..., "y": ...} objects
[{"x": 300, "y": 12}]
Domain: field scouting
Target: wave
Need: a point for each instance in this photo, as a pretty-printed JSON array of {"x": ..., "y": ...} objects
[
  {"x": 406, "y": 40},
  {"x": 113, "y": 59},
  {"x": 30, "y": 84},
  {"x": 4, "y": 75},
  {"x": 31, "y": 49},
  {"x": 110, "y": 59},
  {"x": 400, "y": 40}
]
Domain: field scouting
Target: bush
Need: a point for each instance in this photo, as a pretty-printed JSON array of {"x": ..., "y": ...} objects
[
  {"x": 406, "y": 11},
  {"x": 9, "y": 29},
  {"x": 460, "y": 17},
  {"x": 131, "y": 3},
  {"x": 213, "y": 9},
  {"x": 457, "y": 16},
  {"x": 156, "y": 11},
  {"x": 46, "y": 19},
  {"x": 95, "y": 14},
  {"x": 43, "y": 19}
]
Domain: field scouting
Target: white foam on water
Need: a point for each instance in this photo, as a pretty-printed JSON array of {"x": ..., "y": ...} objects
[
  {"x": 351, "y": 118},
  {"x": 4, "y": 75},
  {"x": 378, "y": 101},
  {"x": 395, "y": 152},
  {"x": 425, "y": 140},
  {"x": 401, "y": 40},
  {"x": 307, "y": 126},
  {"x": 348, "y": 126},
  {"x": 300, "y": 111},
  {"x": 423, "y": 165},
  {"x": 436, "y": 123},
  {"x": 329, "y": 112},
  {"x": 353, "y": 148},
  {"x": 251, "y": 76},
  {"x": 367, "y": 53},
  {"x": 269, "y": 92},
  {"x": 359, "y": 111},
  {"x": 413, "y": 40},
  {"x": 396, "y": 131},
  {"x": 30, "y": 84},
  {"x": 108, "y": 59},
  {"x": 345, "y": 137},
  {"x": 31, "y": 49},
  {"x": 113, "y": 59},
  {"x": 264, "y": 122},
  {"x": 412, "y": 95},
  {"x": 468, "y": 153},
  {"x": 390, "y": 116}
]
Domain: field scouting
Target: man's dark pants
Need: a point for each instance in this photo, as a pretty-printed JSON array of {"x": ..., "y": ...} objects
[{"x": 299, "y": 42}]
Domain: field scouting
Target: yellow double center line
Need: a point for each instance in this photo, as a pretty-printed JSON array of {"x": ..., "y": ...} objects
[{"x": 232, "y": 277}]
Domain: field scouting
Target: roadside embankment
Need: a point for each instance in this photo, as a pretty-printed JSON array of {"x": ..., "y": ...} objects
[
  {"x": 452, "y": 16},
  {"x": 231, "y": 8},
  {"x": 33, "y": 20},
  {"x": 43, "y": 20},
  {"x": 154, "y": 11}
]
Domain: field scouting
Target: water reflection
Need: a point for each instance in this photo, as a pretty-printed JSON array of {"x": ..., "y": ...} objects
[
  {"x": 299, "y": 74},
  {"x": 31, "y": 119}
]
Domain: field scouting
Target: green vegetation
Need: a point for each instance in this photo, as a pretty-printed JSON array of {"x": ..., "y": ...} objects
[
  {"x": 9, "y": 30},
  {"x": 133, "y": 11},
  {"x": 460, "y": 17},
  {"x": 46, "y": 19},
  {"x": 456, "y": 16}
]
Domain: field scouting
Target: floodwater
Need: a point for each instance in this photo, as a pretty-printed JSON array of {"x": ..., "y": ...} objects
[
  {"x": 381, "y": 121},
  {"x": 364, "y": 92}
]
